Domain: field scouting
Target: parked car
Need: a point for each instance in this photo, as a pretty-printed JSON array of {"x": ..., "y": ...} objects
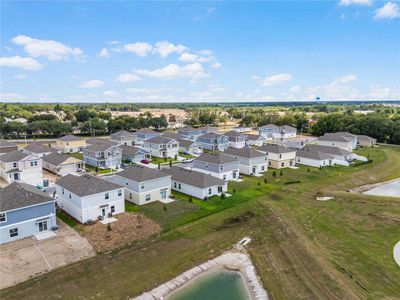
[
  {"x": 124, "y": 166},
  {"x": 145, "y": 161},
  {"x": 188, "y": 160}
]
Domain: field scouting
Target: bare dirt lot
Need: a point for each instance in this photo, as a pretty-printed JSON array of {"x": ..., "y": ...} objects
[
  {"x": 156, "y": 112},
  {"x": 129, "y": 227},
  {"x": 26, "y": 258}
]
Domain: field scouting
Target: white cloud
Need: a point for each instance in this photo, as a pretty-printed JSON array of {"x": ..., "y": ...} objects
[
  {"x": 147, "y": 90},
  {"x": 111, "y": 94},
  {"x": 10, "y": 97},
  {"x": 189, "y": 57},
  {"x": 193, "y": 71},
  {"x": 344, "y": 79},
  {"x": 165, "y": 48},
  {"x": 26, "y": 63},
  {"x": 139, "y": 48},
  {"x": 127, "y": 77},
  {"x": 355, "y": 2},
  {"x": 338, "y": 89},
  {"x": 274, "y": 79},
  {"x": 217, "y": 65},
  {"x": 50, "y": 49},
  {"x": 380, "y": 93},
  {"x": 389, "y": 11},
  {"x": 294, "y": 89},
  {"x": 20, "y": 77},
  {"x": 104, "y": 53},
  {"x": 94, "y": 83}
]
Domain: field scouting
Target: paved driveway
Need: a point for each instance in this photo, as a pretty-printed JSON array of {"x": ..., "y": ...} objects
[{"x": 27, "y": 258}]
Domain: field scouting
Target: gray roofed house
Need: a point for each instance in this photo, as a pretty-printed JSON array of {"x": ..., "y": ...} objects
[
  {"x": 172, "y": 135},
  {"x": 277, "y": 132},
  {"x": 124, "y": 137},
  {"x": 160, "y": 140},
  {"x": 252, "y": 162},
  {"x": 122, "y": 133},
  {"x": 219, "y": 165},
  {"x": 56, "y": 158},
  {"x": 335, "y": 151},
  {"x": 141, "y": 173},
  {"x": 313, "y": 158},
  {"x": 273, "y": 148},
  {"x": 62, "y": 164},
  {"x": 134, "y": 154},
  {"x": 6, "y": 146},
  {"x": 85, "y": 185},
  {"x": 162, "y": 146},
  {"x": 103, "y": 154},
  {"x": 18, "y": 194},
  {"x": 313, "y": 154},
  {"x": 25, "y": 211},
  {"x": 69, "y": 138},
  {"x": 39, "y": 150},
  {"x": 13, "y": 156},
  {"x": 366, "y": 141},
  {"x": 194, "y": 178},
  {"x": 254, "y": 140},
  {"x": 343, "y": 140},
  {"x": 216, "y": 158},
  {"x": 100, "y": 145},
  {"x": 244, "y": 152}
]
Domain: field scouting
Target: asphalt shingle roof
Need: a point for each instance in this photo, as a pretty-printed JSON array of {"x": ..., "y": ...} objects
[
  {"x": 245, "y": 152},
  {"x": 18, "y": 195},
  {"x": 338, "y": 137},
  {"x": 211, "y": 135},
  {"x": 252, "y": 137},
  {"x": 312, "y": 154},
  {"x": 85, "y": 185},
  {"x": 68, "y": 138},
  {"x": 141, "y": 173},
  {"x": 39, "y": 148},
  {"x": 5, "y": 144},
  {"x": 327, "y": 149},
  {"x": 13, "y": 156},
  {"x": 185, "y": 143},
  {"x": 194, "y": 178},
  {"x": 129, "y": 150},
  {"x": 122, "y": 133},
  {"x": 159, "y": 140},
  {"x": 272, "y": 148},
  {"x": 216, "y": 158},
  {"x": 100, "y": 145},
  {"x": 57, "y": 158}
]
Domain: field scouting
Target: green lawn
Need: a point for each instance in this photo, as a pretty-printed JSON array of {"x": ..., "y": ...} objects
[
  {"x": 302, "y": 248},
  {"x": 76, "y": 155},
  {"x": 159, "y": 160},
  {"x": 67, "y": 219}
]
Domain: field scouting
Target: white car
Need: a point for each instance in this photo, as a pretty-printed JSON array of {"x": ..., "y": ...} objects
[{"x": 188, "y": 160}]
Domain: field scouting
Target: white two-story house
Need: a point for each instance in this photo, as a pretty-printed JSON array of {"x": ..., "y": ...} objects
[
  {"x": 218, "y": 165},
  {"x": 213, "y": 141},
  {"x": 124, "y": 137},
  {"x": 252, "y": 162},
  {"x": 272, "y": 131},
  {"x": 103, "y": 154},
  {"x": 19, "y": 166},
  {"x": 162, "y": 147},
  {"x": 89, "y": 198},
  {"x": 236, "y": 139},
  {"x": 279, "y": 156},
  {"x": 143, "y": 185},
  {"x": 342, "y": 140}
]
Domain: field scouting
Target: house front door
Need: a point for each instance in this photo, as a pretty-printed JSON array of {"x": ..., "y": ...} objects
[
  {"x": 42, "y": 226},
  {"x": 163, "y": 194},
  {"x": 16, "y": 176},
  {"x": 254, "y": 170},
  {"x": 103, "y": 212}
]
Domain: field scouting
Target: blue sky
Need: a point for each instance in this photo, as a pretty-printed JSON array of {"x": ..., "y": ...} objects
[{"x": 199, "y": 51}]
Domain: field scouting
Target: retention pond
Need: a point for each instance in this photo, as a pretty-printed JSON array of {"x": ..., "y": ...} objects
[{"x": 387, "y": 189}]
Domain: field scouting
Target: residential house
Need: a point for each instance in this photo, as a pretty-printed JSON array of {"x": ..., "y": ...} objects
[
  {"x": 62, "y": 164},
  {"x": 19, "y": 166},
  {"x": 272, "y": 131},
  {"x": 252, "y": 162},
  {"x": 145, "y": 134},
  {"x": 162, "y": 147},
  {"x": 297, "y": 142},
  {"x": 365, "y": 141},
  {"x": 313, "y": 158},
  {"x": 218, "y": 165},
  {"x": 134, "y": 154},
  {"x": 213, "y": 141},
  {"x": 70, "y": 143},
  {"x": 340, "y": 156},
  {"x": 89, "y": 198},
  {"x": 25, "y": 211},
  {"x": 103, "y": 154},
  {"x": 144, "y": 185},
  {"x": 6, "y": 147},
  {"x": 242, "y": 129},
  {"x": 196, "y": 184},
  {"x": 189, "y": 147},
  {"x": 172, "y": 135},
  {"x": 254, "y": 140},
  {"x": 342, "y": 140},
  {"x": 190, "y": 133},
  {"x": 124, "y": 137},
  {"x": 279, "y": 156},
  {"x": 236, "y": 139},
  {"x": 39, "y": 150}
]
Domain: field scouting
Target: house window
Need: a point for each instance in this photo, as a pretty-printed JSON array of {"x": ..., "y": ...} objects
[
  {"x": 106, "y": 196},
  {"x": 127, "y": 183},
  {"x": 269, "y": 163},
  {"x": 221, "y": 168},
  {"x": 14, "y": 164},
  {"x": 112, "y": 209},
  {"x": 62, "y": 191},
  {"x": 174, "y": 184},
  {"x": 282, "y": 164},
  {"x": 179, "y": 186},
  {"x": 209, "y": 191},
  {"x": 3, "y": 217},
  {"x": 147, "y": 197},
  {"x": 142, "y": 187},
  {"x": 262, "y": 168},
  {"x": 69, "y": 195},
  {"x": 13, "y": 232},
  {"x": 224, "y": 177},
  {"x": 234, "y": 174},
  {"x": 280, "y": 155},
  {"x": 34, "y": 163},
  {"x": 130, "y": 195},
  {"x": 220, "y": 189},
  {"x": 119, "y": 192}
]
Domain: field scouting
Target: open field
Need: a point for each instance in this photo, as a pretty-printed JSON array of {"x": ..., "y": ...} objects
[{"x": 302, "y": 248}]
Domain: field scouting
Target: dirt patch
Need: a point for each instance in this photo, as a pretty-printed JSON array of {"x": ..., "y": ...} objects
[{"x": 129, "y": 227}]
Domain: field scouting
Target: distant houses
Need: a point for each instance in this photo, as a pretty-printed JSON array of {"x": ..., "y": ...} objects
[
  {"x": 39, "y": 150},
  {"x": 195, "y": 183},
  {"x": 279, "y": 156},
  {"x": 103, "y": 154},
  {"x": 189, "y": 147},
  {"x": 19, "y": 166},
  {"x": 89, "y": 198},
  {"x": 124, "y": 137},
  {"x": 272, "y": 131},
  {"x": 143, "y": 185},
  {"x": 254, "y": 140},
  {"x": 145, "y": 134},
  {"x": 213, "y": 141},
  {"x": 236, "y": 139},
  {"x": 162, "y": 147},
  {"x": 70, "y": 143},
  {"x": 252, "y": 162},
  {"x": 25, "y": 211},
  {"x": 62, "y": 164},
  {"x": 218, "y": 165},
  {"x": 365, "y": 141}
]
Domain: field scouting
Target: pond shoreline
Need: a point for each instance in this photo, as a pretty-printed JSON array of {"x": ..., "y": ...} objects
[
  {"x": 233, "y": 261},
  {"x": 364, "y": 188}
]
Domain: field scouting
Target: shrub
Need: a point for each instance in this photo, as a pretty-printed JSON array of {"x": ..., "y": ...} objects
[
  {"x": 259, "y": 183},
  {"x": 292, "y": 182},
  {"x": 234, "y": 191},
  {"x": 222, "y": 196},
  {"x": 308, "y": 170},
  {"x": 265, "y": 180},
  {"x": 205, "y": 198},
  {"x": 190, "y": 199},
  {"x": 170, "y": 163},
  {"x": 165, "y": 208},
  {"x": 281, "y": 173},
  {"x": 274, "y": 173},
  {"x": 109, "y": 228}
]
